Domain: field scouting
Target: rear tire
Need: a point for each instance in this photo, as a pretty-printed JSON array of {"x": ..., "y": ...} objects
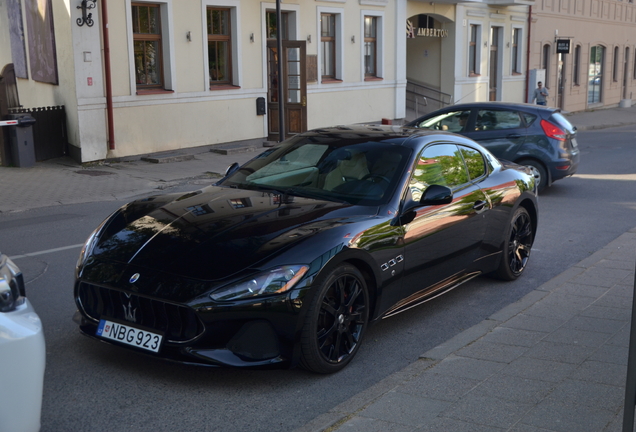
[
  {"x": 516, "y": 250},
  {"x": 538, "y": 171},
  {"x": 336, "y": 321}
]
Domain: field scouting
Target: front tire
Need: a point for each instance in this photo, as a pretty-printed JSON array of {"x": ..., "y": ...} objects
[
  {"x": 538, "y": 172},
  {"x": 336, "y": 321},
  {"x": 516, "y": 251}
]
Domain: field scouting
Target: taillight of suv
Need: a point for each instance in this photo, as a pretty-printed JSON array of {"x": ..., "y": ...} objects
[{"x": 553, "y": 131}]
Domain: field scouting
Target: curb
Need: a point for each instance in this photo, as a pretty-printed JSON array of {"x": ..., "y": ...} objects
[{"x": 602, "y": 126}]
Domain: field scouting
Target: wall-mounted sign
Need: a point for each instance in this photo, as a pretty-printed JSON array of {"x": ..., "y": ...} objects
[
  {"x": 432, "y": 32},
  {"x": 424, "y": 29},
  {"x": 563, "y": 46}
]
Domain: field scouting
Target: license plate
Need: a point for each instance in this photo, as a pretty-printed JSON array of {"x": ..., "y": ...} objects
[
  {"x": 129, "y": 335},
  {"x": 574, "y": 143}
]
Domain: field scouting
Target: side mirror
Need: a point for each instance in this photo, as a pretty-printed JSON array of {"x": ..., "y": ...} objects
[
  {"x": 232, "y": 169},
  {"x": 437, "y": 195}
]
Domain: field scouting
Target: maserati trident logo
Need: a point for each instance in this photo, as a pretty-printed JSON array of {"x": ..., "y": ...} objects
[
  {"x": 134, "y": 278},
  {"x": 129, "y": 313}
]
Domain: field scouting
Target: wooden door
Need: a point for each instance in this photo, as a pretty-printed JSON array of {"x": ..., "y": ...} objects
[{"x": 294, "y": 88}]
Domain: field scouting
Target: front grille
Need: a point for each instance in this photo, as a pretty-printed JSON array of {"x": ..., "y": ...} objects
[{"x": 178, "y": 323}]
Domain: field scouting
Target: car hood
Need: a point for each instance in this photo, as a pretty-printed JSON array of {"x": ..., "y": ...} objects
[{"x": 216, "y": 232}]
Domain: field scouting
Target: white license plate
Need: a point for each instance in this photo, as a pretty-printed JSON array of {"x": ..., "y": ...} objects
[{"x": 129, "y": 335}]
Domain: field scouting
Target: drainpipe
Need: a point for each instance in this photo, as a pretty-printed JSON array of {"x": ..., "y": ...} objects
[
  {"x": 527, "y": 54},
  {"x": 107, "y": 77}
]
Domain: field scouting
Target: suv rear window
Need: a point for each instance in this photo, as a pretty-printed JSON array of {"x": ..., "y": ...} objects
[{"x": 529, "y": 118}]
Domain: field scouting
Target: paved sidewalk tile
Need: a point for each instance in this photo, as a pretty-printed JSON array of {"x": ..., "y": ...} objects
[
  {"x": 442, "y": 387},
  {"x": 518, "y": 389},
  {"x": 513, "y": 336},
  {"x": 563, "y": 417},
  {"x": 449, "y": 424},
  {"x": 588, "y": 394},
  {"x": 490, "y": 351},
  {"x": 488, "y": 411},
  {"x": 406, "y": 409},
  {"x": 464, "y": 367},
  {"x": 538, "y": 369},
  {"x": 363, "y": 424},
  {"x": 559, "y": 352}
]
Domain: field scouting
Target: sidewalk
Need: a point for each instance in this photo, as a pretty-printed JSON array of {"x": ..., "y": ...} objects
[{"x": 556, "y": 360}]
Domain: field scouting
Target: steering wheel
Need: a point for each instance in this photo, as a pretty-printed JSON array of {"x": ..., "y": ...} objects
[{"x": 374, "y": 177}]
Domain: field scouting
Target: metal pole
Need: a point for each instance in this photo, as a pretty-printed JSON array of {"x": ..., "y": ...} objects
[
  {"x": 630, "y": 385},
  {"x": 281, "y": 103}
]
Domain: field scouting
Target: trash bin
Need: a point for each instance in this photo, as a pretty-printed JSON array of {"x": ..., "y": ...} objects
[{"x": 21, "y": 141}]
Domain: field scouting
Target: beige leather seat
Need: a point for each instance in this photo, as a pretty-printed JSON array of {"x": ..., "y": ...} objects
[{"x": 354, "y": 168}]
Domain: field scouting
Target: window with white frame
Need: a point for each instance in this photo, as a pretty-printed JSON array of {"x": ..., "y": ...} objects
[
  {"x": 330, "y": 56},
  {"x": 147, "y": 42},
  {"x": 545, "y": 63},
  {"x": 219, "y": 45},
  {"x": 576, "y": 66},
  {"x": 615, "y": 65},
  {"x": 372, "y": 61},
  {"x": 517, "y": 45},
  {"x": 328, "y": 45},
  {"x": 474, "y": 53},
  {"x": 150, "y": 45},
  {"x": 370, "y": 46}
]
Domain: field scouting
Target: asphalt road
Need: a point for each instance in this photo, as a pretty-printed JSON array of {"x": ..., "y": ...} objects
[{"x": 98, "y": 387}]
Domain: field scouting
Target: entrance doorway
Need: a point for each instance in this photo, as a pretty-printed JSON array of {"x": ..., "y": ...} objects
[{"x": 294, "y": 88}]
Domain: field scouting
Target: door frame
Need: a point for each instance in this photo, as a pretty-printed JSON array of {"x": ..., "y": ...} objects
[{"x": 295, "y": 112}]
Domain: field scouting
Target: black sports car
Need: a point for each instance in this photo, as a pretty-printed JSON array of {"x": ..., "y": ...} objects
[{"x": 288, "y": 258}]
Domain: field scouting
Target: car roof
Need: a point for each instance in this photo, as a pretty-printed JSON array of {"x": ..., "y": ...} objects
[
  {"x": 398, "y": 134},
  {"x": 497, "y": 104}
]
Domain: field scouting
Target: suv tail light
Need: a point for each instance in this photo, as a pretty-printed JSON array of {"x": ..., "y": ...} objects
[{"x": 553, "y": 131}]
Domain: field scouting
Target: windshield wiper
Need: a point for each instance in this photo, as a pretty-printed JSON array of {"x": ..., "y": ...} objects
[
  {"x": 293, "y": 191},
  {"x": 313, "y": 195}
]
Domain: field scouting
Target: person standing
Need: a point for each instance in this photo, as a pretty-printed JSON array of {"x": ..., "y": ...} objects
[{"x": 540, "y": 94}]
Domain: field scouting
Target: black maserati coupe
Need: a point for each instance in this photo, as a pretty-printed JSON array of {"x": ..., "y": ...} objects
[{"x": 288, "y": 258}]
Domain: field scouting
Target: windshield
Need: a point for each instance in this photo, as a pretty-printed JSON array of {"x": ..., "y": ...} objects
[
  {"x": 356, "y": 171},
  {"x": 454, "y": 121}
]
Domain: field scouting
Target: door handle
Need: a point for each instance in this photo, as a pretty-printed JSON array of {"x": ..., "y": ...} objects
[{"x": 514, "y": 136}]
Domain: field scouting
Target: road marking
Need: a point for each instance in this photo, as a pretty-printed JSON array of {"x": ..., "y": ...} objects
[
  {"x": 15, "y": 257},
  {"x": 618, "y": 177}
]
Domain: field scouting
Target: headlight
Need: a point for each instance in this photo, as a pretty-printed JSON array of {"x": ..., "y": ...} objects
[
  {"x": 11, "y": 285},
  {"x": 275, "y": 281},
  {"x": 91, "y": 242}
]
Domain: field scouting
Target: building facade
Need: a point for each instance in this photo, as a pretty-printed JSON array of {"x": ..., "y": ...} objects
[
  {"x": 479, "y": 54},
  {"x": 143, "y": 76},
  {"x": 169, "y": 74},
  {"x": 586, "y": 48}
]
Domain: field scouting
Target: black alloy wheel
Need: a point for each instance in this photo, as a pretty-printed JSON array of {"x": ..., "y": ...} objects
[
  {"x": 517, "y": 247},
  {"x": 336, "y": 320}
]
